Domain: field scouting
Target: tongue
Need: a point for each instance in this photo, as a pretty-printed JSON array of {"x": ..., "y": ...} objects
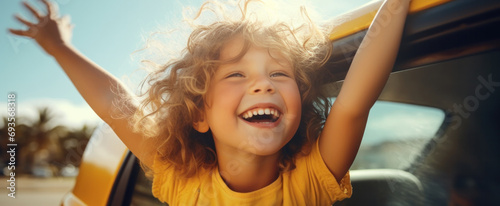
[{"x": 260, "y": 118}]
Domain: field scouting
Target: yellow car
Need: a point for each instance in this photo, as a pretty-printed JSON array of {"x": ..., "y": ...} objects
[{"x": 432, "y": 139}]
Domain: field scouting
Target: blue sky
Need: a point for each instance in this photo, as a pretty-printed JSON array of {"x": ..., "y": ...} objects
[{"x": 108, "y": 32}]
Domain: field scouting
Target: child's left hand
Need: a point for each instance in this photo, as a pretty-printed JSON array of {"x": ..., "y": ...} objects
[{"x": 368, "y": 73}]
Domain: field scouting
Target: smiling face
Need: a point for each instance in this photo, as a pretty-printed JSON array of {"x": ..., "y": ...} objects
[{"x": 252, "y": 104}]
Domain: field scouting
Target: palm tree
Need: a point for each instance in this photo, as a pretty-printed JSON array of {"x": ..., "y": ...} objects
[
  {"x": 40, "y": 142},
  {"x": 43, "y": 147},
  {"x": 73, "y": 145},
  {"x": 21, "y": 137}
]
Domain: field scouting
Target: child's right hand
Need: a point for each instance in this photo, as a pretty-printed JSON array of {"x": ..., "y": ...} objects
[
  {"x": 50, "y": 31},
  {"x": 100, "y": 89}
]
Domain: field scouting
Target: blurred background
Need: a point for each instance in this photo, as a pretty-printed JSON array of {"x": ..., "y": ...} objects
[{"x": 53, "y": 123}]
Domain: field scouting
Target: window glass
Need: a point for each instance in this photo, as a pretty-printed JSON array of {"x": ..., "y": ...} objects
[
  {"x": 142, "y": 192},
  {"x": 395, "y": 134}
]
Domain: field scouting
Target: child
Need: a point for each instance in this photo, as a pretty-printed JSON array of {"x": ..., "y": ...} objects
[{"x": 237, "y": 119}]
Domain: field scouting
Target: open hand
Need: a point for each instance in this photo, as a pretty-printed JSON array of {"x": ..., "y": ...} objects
[{"x": 50, "y": 31}]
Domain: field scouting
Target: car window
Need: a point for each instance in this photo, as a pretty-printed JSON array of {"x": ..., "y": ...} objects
[
  {"x": 395, "y": 134},
  {"x": 142, "y": 192}
]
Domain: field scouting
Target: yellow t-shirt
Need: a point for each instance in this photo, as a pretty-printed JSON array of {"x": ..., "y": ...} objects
[{"x": 310, "y": 183}]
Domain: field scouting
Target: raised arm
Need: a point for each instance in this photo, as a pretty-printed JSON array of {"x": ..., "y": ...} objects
[
  {"x": 97, "y": 86},
  {"x": 370, "y": 68}
]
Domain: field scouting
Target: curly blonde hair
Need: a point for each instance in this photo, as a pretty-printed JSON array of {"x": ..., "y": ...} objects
[{"x": 175, "y": 97}]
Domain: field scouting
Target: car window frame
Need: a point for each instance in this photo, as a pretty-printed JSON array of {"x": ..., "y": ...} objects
[{"x": 121, "y": 193}]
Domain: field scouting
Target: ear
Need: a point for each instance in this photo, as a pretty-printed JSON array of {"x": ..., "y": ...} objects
[{"x": 201, "y": 126}]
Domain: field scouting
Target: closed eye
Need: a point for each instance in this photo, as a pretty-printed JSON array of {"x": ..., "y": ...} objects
[
  {"x": 279, "y": 74},
  {"x": 237, "y": 74}
]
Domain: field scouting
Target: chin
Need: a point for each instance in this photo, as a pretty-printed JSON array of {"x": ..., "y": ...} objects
[
  {"x": 266, "y": 145},
  {"x": 267, "y": 151}
]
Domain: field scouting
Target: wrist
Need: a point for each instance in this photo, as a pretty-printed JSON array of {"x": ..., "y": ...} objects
[{"x": 56, "y": 50}]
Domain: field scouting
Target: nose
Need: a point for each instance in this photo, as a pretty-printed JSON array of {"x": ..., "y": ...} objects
[{"x": 261, "y": 86}]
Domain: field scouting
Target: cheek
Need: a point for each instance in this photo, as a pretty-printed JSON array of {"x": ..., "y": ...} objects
[
  {"x": 297, "y": 100},
  {"x": 291, "y": 95},
  {"x": 222, "y": 100},
  {"x": 226, "y": 97},
  {"x": 293, "y": 99}
]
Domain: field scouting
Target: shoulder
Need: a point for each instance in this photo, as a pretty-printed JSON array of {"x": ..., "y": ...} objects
[
  {"x": 168, "y": 184},
  {"x": 164, "y": 180},
  {"x": 315, "y": 180}
]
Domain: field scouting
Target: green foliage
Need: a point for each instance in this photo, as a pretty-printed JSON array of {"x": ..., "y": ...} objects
[{"x": 44, "y": 147}]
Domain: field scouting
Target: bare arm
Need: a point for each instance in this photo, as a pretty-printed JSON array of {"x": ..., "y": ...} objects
[
  {"x": 369, "y": 71},
  {"x": 97, "y": 86}
]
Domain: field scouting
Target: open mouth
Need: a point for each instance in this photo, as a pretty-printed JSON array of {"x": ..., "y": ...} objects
[{"x": 261, "y": 115}]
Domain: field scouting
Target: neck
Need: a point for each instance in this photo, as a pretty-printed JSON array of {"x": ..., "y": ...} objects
[{"x": 245, "y": 172}]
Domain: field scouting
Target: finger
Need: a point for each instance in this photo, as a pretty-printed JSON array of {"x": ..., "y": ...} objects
[
  {"x": 52, "y": 9},
  {"x": 71, "y": 26},
  {"x": 24, "y": 21},
  {"x": 66, "y": 19},
  {"x": 32, "y": 10},
  {"x": 20, "y": 32}
]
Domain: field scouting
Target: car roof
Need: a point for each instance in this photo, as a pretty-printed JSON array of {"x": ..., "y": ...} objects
[
  {"x": 360, "y": 19},
  {"x": 433, "y": 30}
]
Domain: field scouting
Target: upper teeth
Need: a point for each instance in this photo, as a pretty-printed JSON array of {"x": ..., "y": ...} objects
[{"x": 260, "y": 111}]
